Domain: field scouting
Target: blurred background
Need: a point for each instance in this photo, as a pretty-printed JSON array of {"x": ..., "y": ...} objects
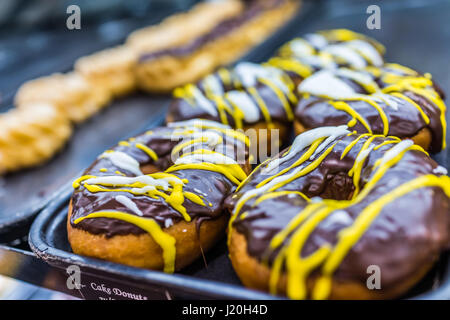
[{"x": 34, "y": 41}]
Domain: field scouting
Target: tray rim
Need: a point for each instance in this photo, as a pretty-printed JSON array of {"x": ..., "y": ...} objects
[{"x": 177, "y": 281}]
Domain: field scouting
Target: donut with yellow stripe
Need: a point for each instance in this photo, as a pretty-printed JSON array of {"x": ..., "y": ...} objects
[
  {"x": 156, "y": 200},
  {"x": 263, "y": 96},
  {"x": 247, "y": 96},
  {"x": 391, "y": 100},
  {"x": 336, "y": 207},
  {"x": 331, "y": 49}
]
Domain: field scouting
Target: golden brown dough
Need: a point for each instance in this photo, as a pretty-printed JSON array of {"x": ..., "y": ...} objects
[
  {"x": 110, "y": 69},
  {"x": 255, "y": 275},
  {"x": 184, "y": 27},
  {"x": 142, "y": 251},
  {"x": 31, "y": 135},
  {"x": 168, "y": 72},
  {"x": 72, "y": 94}
]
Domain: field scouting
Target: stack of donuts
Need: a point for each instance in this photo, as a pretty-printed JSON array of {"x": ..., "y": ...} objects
[
  {"x": 181, "y": 49},
  {"x": 356, "y": 191}
]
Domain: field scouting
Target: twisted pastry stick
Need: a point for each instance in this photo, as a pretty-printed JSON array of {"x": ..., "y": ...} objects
[
  {"x": 72, "y": 94},
  {"x": 31, "y": 135},
  {"x": 110, "y": 69}
]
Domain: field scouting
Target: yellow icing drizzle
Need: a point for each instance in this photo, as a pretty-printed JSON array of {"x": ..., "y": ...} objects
[
  {"x": 303, "y": 224},
  {"x": 152, "y": 154},
  {"x": 164, "y": 240},
  {"x": 341, "y": 105}
]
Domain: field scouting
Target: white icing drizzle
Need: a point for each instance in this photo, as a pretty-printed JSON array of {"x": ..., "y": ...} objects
[
  {"x": 249, "y": 72},
  {"x": 199, "y": 123},
  {"x": 123, "y": 161},
  {"x": 347, "y": 54},
  {"x": 328, "y": 141},
  {"x": 389, "y": 100},
  {"x": 200, "y": 192},
  {"x": 300, "y": 47},
  {"x": 325, "y": 84},
  {"x": 440, "y": 170},
  {"x": 316, "y": 199},
  {"x": 317, "y": 40},
  {"x": 216, "y": 158},
  {"x": 245, "y": 103},
  {"x": 395, "y": 151},
  {"x": 127, "y": 202},
  {"x": 168, "y": 222},
  {"x": 367, "y": 50},
  {"x": 306, "y": 139},
  {"x": 212, "y": 138},
  {"x": 147, "y": 181},
  {"x": 321, "y": 61},
  {"x": 357, "y": 76},
  {"x": 340, "y": 217},
  {"x": 363, "y": 155},
  {"x": 203, "y": 102},
  {"x": 212, "y": 83}
]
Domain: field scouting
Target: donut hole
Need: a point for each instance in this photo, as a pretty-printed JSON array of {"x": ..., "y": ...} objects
[{"x": 337, "y": 186}]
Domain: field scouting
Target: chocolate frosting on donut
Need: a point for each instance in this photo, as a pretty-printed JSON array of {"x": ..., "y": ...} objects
[
  {"x": 409, "y": 231},
  {"x": 409, "y": 101},
  {"x": 211, "y": 186},
  {"x": 271, "y": 87}
]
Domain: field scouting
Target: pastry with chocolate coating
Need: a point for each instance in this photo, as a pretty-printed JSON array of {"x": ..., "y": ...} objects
[
  {"x": 238, "y": 27},
  {"x": 313, "y": 221},
  {"x": 391, "y": 100},
  {"x": 156, "y": 200}
]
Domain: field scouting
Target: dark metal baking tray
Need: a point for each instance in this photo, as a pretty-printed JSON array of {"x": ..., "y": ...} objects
[
  {"x": 48, "y": 238},
  {"x": 215, "y": 280},
  {"x": 24, "y": 194}
]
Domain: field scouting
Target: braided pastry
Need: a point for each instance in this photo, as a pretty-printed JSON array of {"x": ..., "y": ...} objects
[
  {"x": 72, "y": 94},
  {"x": 312, "y": 222},
  {"x": 31, "y": 135},
  {"x": 110, "y": 69}
]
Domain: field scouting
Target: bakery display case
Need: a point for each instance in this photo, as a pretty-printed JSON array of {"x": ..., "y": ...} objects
[{"x": 83, "y": 111}]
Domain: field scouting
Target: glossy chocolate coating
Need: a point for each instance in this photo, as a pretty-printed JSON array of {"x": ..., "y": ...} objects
[
  {"x": 405, "y": 122},
  {"x": 181, "y": 109},
  {"x": 409, "y": 233},
  {"x": 214, "y": 186}
]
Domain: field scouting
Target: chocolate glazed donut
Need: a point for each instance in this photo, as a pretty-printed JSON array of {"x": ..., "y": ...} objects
[
  {"x": 156, "y": 200},
  {"x": 263, "y": 96},
  {"x": 392, "y": 100},
  {"x": 247, "y": 96},
  {"x": 333, "y": 49},
  {"x": 312, "y": 221}
]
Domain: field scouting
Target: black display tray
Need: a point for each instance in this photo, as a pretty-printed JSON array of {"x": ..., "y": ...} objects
[
  {"x": 24, "y": 194},
  {"x": 215, "y": 280}
]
